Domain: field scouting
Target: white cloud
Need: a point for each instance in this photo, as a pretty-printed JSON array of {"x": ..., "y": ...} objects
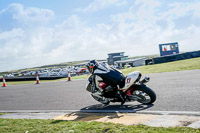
[
  {"x": 138, "y": 31},
  {"x": 8, "y": 35},
  {"x": 11, "y": 47},
  {"x": 101, "y": 4},
  {"x": 11, "y": 42},
  {"x": 30, "y": 14}
]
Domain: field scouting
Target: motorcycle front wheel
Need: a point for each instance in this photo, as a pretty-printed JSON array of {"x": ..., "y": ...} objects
[
  {"x": 145, "y": 94},
  {"x": 101, "y": 100}
]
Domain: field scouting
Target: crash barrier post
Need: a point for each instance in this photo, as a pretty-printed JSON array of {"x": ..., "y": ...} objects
[
  {"x": 69, "y": 76},
  {"x": 37, "y": 79},
  {"x": 4, "y": 82}
]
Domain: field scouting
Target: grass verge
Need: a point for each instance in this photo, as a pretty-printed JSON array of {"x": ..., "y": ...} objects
[
  {"x": 188, "y": 64},
  {"x": 51, "y": 126},
  {"x": 81, "y": 77}
]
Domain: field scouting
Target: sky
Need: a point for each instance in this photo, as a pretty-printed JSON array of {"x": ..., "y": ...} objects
[{"x": 41, "y": 32}]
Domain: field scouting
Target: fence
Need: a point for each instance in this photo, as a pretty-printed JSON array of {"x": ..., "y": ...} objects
[{"x": 182, "y": 56}]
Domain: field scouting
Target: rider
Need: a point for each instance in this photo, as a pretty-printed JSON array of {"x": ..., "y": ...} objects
[{"x": 112, "y": 77}]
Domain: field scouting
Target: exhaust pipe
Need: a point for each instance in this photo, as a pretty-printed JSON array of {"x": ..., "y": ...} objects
[{"x": 145, "y": 80}]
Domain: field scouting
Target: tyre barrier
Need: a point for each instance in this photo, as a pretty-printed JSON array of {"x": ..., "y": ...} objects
[{"x": 32, "y": 78}]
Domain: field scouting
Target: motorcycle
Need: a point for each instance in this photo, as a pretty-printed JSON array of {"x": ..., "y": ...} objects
[{"x": 131, "y": 88}]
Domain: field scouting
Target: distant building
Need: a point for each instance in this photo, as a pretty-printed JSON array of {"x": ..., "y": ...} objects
[
  {"x": 169, "y": 49},
  {"x": 131, "y": 62},
  {"x": 113, "y": 57}
]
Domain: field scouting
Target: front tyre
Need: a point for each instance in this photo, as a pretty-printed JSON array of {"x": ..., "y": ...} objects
[{"x": 145, "y": 94}]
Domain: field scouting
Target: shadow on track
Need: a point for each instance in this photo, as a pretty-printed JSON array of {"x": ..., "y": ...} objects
[
  {"x": 100, "y": 111},
  {"x": 115, "y": 108}
]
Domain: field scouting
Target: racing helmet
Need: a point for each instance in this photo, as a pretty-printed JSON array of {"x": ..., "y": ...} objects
[{"x": 92, "y": 65}]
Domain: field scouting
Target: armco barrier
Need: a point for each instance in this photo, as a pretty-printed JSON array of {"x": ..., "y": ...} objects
[
  {"x": 182, "y": 56},
  {"x": 31, "y": 78}
]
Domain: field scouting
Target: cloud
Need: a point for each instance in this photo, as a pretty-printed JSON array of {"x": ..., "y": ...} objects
[
  {"x": 101, "y": 4},
  {"x": 19, "y": 28},
  {"x": 17, "y": 15},
  {"x": 136, "y": 31},
  {"x": 31, "y": 13},
  {"x": 9, "y": 35},
  {"x": 146, "y": 24},
  {"x": 181, "y": 9},
  {"x": 11, "y": 43}
]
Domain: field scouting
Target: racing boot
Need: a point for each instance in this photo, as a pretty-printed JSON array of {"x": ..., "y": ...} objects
[{"x": 123, "y": 99}]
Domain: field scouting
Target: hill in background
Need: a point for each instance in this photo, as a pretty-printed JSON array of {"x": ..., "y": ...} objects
[{"x": 63, "y": 65}]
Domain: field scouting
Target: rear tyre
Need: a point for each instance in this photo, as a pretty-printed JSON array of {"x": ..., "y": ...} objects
[
  {"x": 147, "y": 96},
  {"x": 101, "y": 100}
]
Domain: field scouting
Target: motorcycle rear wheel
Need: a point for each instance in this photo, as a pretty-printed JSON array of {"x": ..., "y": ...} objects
[
  {"x": 146, "y": 94},
  {"x": 101, "y": 100}
]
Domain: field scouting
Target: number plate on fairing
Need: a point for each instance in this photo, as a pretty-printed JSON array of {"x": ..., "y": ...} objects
[{"x": 130, "y": 79}]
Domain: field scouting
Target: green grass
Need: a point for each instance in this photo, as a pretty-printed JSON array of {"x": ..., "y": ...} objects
[
  {"x": 189, "y": 64},
  {"x": 80, "y": 77},
  {"x": 52, "y": 126}
]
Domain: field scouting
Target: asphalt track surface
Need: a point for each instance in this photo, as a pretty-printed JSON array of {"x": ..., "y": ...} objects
[{"x": 176, "y": 91}]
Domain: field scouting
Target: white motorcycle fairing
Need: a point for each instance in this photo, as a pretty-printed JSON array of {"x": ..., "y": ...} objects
[{"x": 130, "y": 79}]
